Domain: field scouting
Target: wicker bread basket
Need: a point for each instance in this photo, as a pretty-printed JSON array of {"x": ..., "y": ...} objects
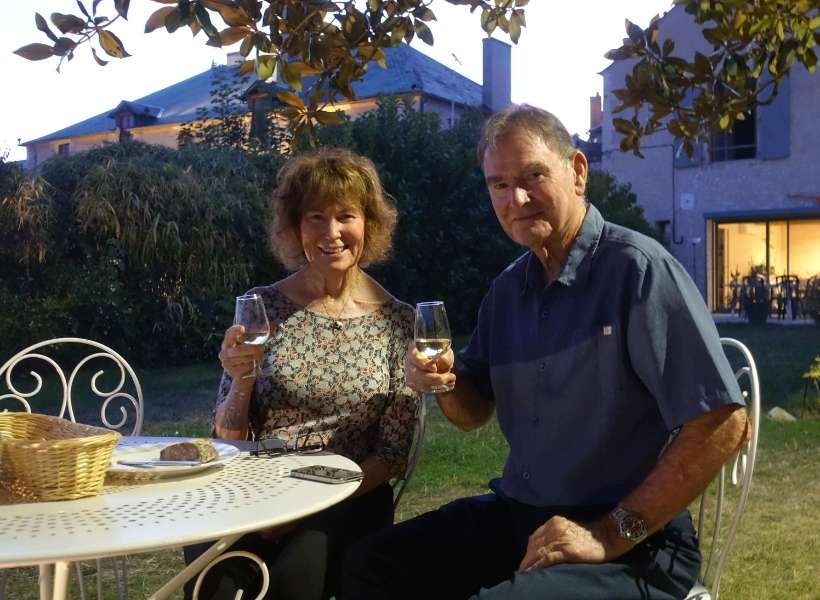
[{"x": 48, "y": 458}]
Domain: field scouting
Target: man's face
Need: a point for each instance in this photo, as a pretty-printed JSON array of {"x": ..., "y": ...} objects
[{"x": 536, "y": 193}]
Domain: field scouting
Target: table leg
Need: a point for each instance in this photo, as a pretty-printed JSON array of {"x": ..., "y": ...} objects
[
  {"x": 46, "y": 580},
  {"x": 61, "y": 570},
  {"x": 195, "y": 567}
]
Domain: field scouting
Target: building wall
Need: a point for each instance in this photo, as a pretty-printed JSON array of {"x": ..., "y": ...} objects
[{"x": 681, "y": 196}]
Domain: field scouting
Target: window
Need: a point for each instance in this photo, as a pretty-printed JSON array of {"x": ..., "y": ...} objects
[
  {"x": 64, "y": 148},
  {"x": 767, "y": 248},
  {"x": 738, "y": 143}
]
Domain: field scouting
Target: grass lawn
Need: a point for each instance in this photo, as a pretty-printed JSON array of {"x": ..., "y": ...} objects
[{"x": 777, "y": 550}]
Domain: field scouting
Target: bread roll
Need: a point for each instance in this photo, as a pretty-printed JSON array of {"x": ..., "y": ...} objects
[{"x": 201, "y": 450}]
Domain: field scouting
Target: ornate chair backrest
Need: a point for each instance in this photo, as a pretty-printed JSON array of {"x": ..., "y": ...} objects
[
  {"x": 415, "y": 451},
  {"x": 42, "y": 358},
  {"x": 741, "y": 466}
]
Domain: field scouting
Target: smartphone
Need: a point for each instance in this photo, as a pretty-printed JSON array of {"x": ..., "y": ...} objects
[{"x": 326, "y": 474}]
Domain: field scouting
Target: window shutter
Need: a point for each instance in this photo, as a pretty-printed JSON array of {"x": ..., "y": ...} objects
[{"x": 773, "y": 135}]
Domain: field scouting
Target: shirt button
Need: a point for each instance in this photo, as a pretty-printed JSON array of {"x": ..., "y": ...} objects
[{"x": 526, "y": 475}]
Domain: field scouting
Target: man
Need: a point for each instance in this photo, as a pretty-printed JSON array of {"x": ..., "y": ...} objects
[{"x": 610, "y": 385}]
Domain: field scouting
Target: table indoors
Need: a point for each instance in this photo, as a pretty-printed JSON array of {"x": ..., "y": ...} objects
[{"x": 244, "y": 494}]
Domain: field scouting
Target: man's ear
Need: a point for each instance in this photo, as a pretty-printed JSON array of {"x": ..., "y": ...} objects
[{"x": 580, "y": 168}]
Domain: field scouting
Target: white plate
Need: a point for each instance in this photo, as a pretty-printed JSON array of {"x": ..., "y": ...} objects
[{"x": 225, "y": 452}]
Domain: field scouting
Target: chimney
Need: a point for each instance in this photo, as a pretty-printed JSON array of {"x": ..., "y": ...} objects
[
  {"x": 495, "y": 92},
  {"x": 595, "y": 114}
]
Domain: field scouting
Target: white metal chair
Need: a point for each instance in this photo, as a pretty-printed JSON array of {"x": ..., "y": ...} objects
[
  {"x": 742, "y": 466},
  {"x": 126, "y": 394},
  {"x": 415, "y": 450}
]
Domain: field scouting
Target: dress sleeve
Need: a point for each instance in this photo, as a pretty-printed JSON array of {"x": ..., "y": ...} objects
[
  {"x": 398, "y": 422},
  {"x": 674, "y": 346}
]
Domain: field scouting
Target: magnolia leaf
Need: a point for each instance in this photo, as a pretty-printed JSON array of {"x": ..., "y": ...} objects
[
  {"x": 246, "y": 46},
  {"x": 67, "y": 23},
  {"x": 634, "y": 32},
  {"x": 63, "y": 46},
  {"x": 423, "y": 13},
  {"x": 157, "y": 18},
  {"x": 724, "y": 122},
  {"x": 43, "y": 26},
  {"x": 668, "y": 46},
  {"x": 122, "y": 8},
  {"x": 290, "y": 75},
  {"x": 291, "y": 99},
  {"x": 231, "y": 35},
  {"x": 165, "y": 1},
  {"x": 204, "y": 20},
  {"x": 522, "y": 2},
  {"x": 247, "y": 67},
  {"x": 35, "y": 51},
  {"x": 373, "y": 5},
  {"x": 514, "y": 29},
  {"x": 264, "y": 68},
  {"x": 233, "y": 15},
  {"x": 112, "y": 44},
  {"x": 328, "y": 117},
  {"x": 195, "y": 27},
  {"x": 99, "y": 61},
  {"x": 423, "y": 32},
  {"x": 82, "y": 9}
]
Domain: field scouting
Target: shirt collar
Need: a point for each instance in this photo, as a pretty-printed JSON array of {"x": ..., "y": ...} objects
[{"x": 575, "y": 267}]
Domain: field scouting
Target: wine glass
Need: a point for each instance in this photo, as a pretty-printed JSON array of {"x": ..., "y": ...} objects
[
  {"x": 432, "y": 333},
  {"x": 250, "y": 313}
]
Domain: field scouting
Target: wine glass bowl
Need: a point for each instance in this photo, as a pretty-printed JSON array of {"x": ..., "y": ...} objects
[
  {"x": 250, "y": 313},
  {"x": 432, "y": 335}
]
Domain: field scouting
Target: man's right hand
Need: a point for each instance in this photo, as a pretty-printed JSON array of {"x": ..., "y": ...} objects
[
  {"x": 239, "y": 360},
  {"x": 425, "y": 375}
]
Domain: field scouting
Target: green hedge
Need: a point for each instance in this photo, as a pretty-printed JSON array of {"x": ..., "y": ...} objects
[{"x": 144, "y": 248}]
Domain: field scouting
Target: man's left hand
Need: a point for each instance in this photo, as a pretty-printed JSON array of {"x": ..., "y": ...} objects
[{"x": 560, "y": 540}]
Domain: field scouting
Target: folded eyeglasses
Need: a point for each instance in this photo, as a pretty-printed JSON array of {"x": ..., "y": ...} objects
[{"x": 302, "y": 444}]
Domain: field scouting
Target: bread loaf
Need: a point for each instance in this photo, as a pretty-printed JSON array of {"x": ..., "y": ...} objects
[{"x": 201, "y": 450}]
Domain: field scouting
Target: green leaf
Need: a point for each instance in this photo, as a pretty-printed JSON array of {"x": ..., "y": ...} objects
[
  {"x": 291, "y": 99},
  {"x": 204, "y": 19},
  {"x": 264, "y": 67},
  {"x": 424, "y": 13},
  {"x": 112, "y": 44},
  {"x": 373, "y": 5},
  {"x": 158, "y": 17},
  {"x": 98, "y": 60},
  {"x": 43, "y": 26},
  {"x": 423, "y": 32},
  {"x": 328, "y": 117},
  {"x": 122, "y": 7},
  {"x": 725, "y": 121},
  {"x": 35, "y": 51},
  {"x": 173, "y": 21},
  {"x": 668, "y": 46},
  {"x": 634, "y": 32},
  {"x": 63, "y": 46},
  {"x": 231, "y": 35},
  {"x": 67, "y": 23}
]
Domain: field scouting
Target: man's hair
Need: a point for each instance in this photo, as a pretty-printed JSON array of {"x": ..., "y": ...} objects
[
  {"x": 317, "y": 179},
  {"x": 539, "y": 122}
]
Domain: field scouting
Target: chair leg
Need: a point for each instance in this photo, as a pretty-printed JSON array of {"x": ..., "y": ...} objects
[
  {"x": 80, "y": 584},
  {"x": 122, "y": 577}
]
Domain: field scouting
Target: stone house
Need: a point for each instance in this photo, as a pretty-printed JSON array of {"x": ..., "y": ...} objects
[
  {"x": 749, "y": 199},
  {"x": 157, "y": 117}
]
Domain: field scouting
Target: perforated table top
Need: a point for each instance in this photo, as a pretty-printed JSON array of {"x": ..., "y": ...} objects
[{"x": 244, "y": 494}]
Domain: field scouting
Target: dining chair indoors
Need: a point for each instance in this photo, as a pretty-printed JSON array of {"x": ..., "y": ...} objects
[
  {"x": 715, "y": 503},
  {"x": 47, "y": 377}
]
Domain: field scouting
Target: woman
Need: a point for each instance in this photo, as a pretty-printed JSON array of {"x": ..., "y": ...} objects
[{"x": 332, "y": 370}]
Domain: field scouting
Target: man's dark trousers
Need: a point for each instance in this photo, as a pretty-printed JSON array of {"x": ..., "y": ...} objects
[{"x": 472, "y": 548}]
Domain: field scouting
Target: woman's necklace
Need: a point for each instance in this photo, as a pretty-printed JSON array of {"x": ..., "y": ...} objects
[{"x": 338, "y": 324}]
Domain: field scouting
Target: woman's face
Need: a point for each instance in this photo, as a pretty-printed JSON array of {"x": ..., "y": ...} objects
[{"x": 333, "y": 236}]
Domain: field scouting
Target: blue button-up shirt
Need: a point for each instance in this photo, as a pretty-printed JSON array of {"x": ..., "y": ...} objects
[{"x": 592, "y": 373}]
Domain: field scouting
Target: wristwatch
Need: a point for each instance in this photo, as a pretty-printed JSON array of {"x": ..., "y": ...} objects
[{"x": 630, "y": 525}]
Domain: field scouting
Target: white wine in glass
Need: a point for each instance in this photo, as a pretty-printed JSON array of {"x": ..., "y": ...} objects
[
  {"x": 432, "y": 332},
  {"x": 250, "y": 313}
]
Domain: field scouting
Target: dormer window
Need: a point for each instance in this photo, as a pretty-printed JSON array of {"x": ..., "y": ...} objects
[{"x": 64, "y": 148}]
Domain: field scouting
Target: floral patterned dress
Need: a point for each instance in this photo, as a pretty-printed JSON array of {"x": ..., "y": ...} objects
[{"x": 339, "y": 379}]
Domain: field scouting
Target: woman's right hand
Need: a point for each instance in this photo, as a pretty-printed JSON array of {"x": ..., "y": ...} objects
[
  {"x": 239, "y": 360},
  {"x": 425, "y": 375}
]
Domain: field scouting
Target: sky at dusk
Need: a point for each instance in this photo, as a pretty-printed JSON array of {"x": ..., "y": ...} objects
[{"x": 555, "y": 64}]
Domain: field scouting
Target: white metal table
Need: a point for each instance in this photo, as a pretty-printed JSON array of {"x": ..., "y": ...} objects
[{"x": 245, "y": 494}]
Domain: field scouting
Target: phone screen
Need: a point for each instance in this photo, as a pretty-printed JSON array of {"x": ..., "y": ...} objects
[{"x": 326, "y": 474}]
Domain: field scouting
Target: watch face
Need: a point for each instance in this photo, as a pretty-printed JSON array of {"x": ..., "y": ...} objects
[{"x": 630, "y": 525}]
